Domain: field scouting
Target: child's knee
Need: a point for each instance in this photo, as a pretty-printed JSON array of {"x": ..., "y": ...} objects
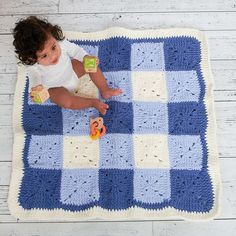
[{"x": 61, "y": 97}]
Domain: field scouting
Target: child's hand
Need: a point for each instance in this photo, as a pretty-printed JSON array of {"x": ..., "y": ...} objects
[
  {"x": 100, "y": 106},
  {"x": 97, "y": 61}
]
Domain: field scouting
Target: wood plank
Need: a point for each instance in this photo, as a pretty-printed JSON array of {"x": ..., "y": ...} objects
[
  {"x": 228, "y": 197},
  {"x": 3, "y": 200},
  {"x": 82, "y": 229},
  {"x": 28, "y": 6},
  {"x": 7, "y": 83},
  {"x": 94, "y": 6},
  {"x": 93, "y": 22},
  {"x": 216, "y": 228},
  {"x": 6, "y": 143}
]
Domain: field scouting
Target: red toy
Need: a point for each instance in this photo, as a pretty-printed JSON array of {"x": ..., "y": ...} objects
[{"x": 97, "y": 129}]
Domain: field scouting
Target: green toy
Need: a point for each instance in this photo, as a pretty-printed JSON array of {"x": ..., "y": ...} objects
[
  {"x": 40, "y": 95},
  {"x": 90, "y": 64},
  {"x": 37, "y": 99}
]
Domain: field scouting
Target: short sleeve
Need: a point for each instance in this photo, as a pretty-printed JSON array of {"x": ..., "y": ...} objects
[
  {"x": 73, "y": 50},
  {"x": 34, "y": 75}
]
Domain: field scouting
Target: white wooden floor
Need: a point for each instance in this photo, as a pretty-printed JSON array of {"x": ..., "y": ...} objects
[{"x": 217, "y": 18}]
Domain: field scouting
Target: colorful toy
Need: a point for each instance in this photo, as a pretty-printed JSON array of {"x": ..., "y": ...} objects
[
  {"x": 90, "y": 64},
  {"x": 97, "y": 129},
  {"x": 40, "y": 95}
]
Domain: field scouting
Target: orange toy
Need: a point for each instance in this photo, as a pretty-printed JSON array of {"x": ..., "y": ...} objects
[{"x": 97, "y": 129}]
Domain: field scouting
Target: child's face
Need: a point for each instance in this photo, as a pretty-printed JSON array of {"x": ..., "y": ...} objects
[{"x": 50, "y": 53}]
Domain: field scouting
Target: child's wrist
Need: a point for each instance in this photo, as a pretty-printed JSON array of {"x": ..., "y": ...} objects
[{"x": 94, "y": 102}]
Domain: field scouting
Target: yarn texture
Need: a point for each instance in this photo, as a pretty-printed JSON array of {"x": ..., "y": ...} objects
[{"x": 158, "y": 158}]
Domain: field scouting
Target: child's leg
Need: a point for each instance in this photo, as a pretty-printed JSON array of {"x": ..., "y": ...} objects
[
  {"x": 98, "y": 79},
  {"x": 63, "y": 98}
]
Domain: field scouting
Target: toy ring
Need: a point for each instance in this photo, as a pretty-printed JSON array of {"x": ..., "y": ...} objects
[
  {"x": 103, "y": 131},
  {"x": 96, "y": 135},
  {"x": 93, "y": 128}
]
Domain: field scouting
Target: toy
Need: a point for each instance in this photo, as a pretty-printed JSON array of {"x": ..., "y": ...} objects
[
  {"x": 40, "y": 94},
  {"x": 90, "y": 64},
  {"x": 97, "y": 129}
]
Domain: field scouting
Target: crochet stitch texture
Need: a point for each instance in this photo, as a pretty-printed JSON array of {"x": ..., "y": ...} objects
[{"x": 158, "y": 158}]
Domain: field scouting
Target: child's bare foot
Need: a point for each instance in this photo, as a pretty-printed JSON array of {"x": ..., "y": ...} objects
[
  {"x": 100, "y": 106},
  {"x": 107, "y": 93}
]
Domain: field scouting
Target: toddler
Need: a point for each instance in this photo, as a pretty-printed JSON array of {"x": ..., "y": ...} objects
[{"x": 56, "y": 64}]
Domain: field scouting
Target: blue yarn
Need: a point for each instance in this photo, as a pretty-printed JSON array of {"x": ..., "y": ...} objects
[{"x": 117, "y": 184}]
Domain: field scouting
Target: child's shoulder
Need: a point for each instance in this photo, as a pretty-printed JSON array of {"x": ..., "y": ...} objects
[{"x": 33, "y": 67}]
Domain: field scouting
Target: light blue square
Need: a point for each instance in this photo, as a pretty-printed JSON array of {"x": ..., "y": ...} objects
[
  {"x": 182, "y": 86},
  {"x": 185, "y": 152},
  {"x": 116, "y": 151},
  {"x": 45, "y": 152},
  {"x": 91, "y": 50},
  {"x": 122, "y": 80},
  {"x": 147, "y": 57},
  {"x": 76, "y": 122},
  {"x": 79, "y": 186},
  {"x": 152, "y": 185},
  {"x": 150, "y": 117}
]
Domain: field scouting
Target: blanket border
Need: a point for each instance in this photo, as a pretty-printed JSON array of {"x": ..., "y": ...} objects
[{"x": 133, "y": 213}]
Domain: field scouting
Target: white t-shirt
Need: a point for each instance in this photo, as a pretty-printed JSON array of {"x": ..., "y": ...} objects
[{"x": 60, "y": 74}]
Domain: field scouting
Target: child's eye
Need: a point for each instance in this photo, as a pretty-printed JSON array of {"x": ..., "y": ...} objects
[
  {"x": 44, "y": 56},
  {"x": 54, "y": 47}
]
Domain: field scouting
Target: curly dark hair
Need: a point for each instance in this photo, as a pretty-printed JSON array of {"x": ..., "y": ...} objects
[{"x": 30, "y": 35}]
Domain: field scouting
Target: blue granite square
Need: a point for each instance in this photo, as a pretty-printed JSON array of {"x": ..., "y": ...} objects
[
  {"x": 114, "y": 54},
  {"x": 42, "y": 120},
  {"x": 185, "y": 152},
  {"x": 182, "y": 86},
  {"x": 116, "y": 188},
  {"x": 122, "y": 80},
  {"x": 150, "y": 117},
  {"x": 76, "y": 122},
  {"x": 119, "y": 118},
  {"x": 46, "y": 152},
  {"x": 152, "y": 185},
  {"x": 182, "y": 53},
  {"x": 91, "y": 50},
  {"x": 147, "y": 56},
  {"x": 116, "y": 151},
  {"x": 40, "y": 188},
  {"x": 186, "y": 118},
  {"x": 79, "y": 186},
  {"x": 191, "y": 190}
]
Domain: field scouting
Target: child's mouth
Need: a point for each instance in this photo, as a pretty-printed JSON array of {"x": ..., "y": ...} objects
[{"x": 55, "y": 61}]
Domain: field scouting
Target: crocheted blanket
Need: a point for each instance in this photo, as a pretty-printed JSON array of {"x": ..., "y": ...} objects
[{"x": 158, "y": 158}]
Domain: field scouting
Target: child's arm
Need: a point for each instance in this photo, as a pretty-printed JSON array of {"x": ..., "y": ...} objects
[
  {"x": 35, "y": 78},
  {"x": 35, "y": 83}
]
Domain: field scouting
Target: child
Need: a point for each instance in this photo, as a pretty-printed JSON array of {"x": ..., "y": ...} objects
[{"x": 56, "y": 64}]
